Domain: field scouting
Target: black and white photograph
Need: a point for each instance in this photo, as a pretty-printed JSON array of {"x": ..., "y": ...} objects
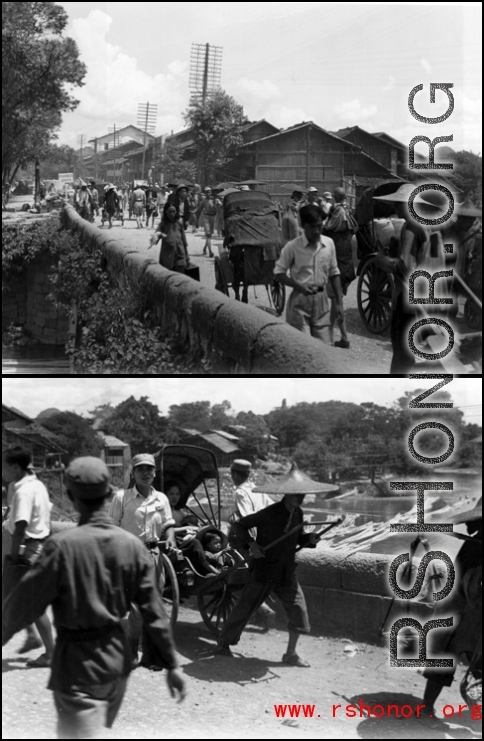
[
  {"x": 241, "y": 188},
  {"x": 242, "y": 559}
]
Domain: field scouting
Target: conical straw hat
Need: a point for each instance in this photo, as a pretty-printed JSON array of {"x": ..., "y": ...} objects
[{"x": 297, "y": 482}]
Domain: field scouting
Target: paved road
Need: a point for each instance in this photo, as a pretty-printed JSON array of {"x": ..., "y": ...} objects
[{"x": 365, "y": 347}]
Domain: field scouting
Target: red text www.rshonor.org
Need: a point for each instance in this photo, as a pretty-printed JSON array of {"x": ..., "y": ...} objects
[{"x": 363, "y": 710}]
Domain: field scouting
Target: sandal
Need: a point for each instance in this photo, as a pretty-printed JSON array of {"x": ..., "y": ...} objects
[
  {"x": 30, "y": 644},
  {"x": 223, "y": 649},
  {"x": 294, "y": 660},
  {"x": 41, "y": 662}
]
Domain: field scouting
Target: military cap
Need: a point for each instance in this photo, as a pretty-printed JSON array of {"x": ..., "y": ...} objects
[
  {"x": 144, "y": 459},
  {"x": 88, "y": 478},
  {"x": 241, "y": 465}
]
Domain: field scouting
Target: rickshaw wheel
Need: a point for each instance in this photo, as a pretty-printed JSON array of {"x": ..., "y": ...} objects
[
  {"x": 374, "y": 296},
  {"x": 171, "y": 592},
  {"x": 472, "y": 315},
  {"x": 220, "y": 283},
  {"x": 216, "y": 604},
  {"x": 278, "y": 294}
]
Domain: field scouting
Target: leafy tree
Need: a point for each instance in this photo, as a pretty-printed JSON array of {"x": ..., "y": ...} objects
[
  {"x": 194, "y": 415},
  {"x": 173, "y": 165},
  {"x": 139, "y": 423},
  {"x": 37, "y": 64},
  {"x": 78, "y": 436},
  {"x": 219, "y": 415},
  {"x": 255, "y": 439},
  {"x": 57, "y": 159},
  {"x": 217, "y": 125},
  {"x": 467, "y": 175}
]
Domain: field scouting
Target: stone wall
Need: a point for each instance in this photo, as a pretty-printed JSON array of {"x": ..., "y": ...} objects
[
  {"x": 349, "y": 595},
  {"x": 239, "y": 338},
  {"x": 25, "y": 304}
]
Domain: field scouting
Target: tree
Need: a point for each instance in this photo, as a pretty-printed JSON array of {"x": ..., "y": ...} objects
[
  {"x": 57, "y": 159},
  {"x": 194, "y": 415},
  {"x": 37, "y": 64},
  {"x": 138, "y": 423},
  {"x": 219, "y": 415},
  {"x": 78, "y": 436},
  {"x": 217, "y": 130},
  {"x": 467, "y": 175},
  {"x": 173, "y": 165}
]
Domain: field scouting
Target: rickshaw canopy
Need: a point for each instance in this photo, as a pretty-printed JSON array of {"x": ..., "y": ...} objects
[{"x": 187, "y": 466}]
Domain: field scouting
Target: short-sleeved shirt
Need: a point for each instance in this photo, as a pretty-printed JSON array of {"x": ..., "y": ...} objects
[
  {"x": 307, "y": 264},
  {"x": 30, "y": 502},
  {"x": 90, "y": 574},
  {"x": 146, "y": 518},
  {"x": 248, "y": 502}
]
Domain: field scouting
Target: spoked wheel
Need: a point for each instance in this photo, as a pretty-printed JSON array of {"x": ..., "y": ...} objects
[
  {"x": 278, "y": 294},
  {"x": 374, "y": 295},
  {"x": 472, "y": 315},
  {"x": 216, "y": 603},
  {"x": 171, "y": 592}
]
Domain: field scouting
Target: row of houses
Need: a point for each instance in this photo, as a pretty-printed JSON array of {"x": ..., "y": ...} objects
[
  {"x": 49, "y": 452},
  {"x": 301, "y": 155}
]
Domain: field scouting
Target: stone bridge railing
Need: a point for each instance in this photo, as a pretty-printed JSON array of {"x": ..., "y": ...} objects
[{"x": 237, "y": 337}]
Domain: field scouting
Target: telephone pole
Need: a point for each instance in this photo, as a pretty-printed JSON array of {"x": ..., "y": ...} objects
[
  {"x": 147, "y": 121},
  {"x": 112, "y": 129},
  {"x": 205, "y": 70}
]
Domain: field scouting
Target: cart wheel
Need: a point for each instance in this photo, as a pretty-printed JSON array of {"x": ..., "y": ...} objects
[
  {"x": 220, "y": 283},
  {"x": 472, "y": 315},
  {"x": 171, "y": 592},
  {"x": 216, "y": 603},
  {"x": 278, "y": 294},
  {"x": 374, "y": 295}
]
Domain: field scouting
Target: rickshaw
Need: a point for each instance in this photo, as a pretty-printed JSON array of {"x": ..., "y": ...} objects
[
  {"x": 377, "y": 232},
  {"x": 252, "y": 244},
  {"x": 192, "y": 468}
]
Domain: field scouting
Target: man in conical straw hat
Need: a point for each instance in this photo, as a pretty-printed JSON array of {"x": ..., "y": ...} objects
[{"x": 273, "y": 570}]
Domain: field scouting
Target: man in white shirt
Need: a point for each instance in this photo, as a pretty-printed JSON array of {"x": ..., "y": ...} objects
[
  {"x": 311, "y": 262},
  {"x": 29, "y": 525},
  {"x": 146, "y": 513}
]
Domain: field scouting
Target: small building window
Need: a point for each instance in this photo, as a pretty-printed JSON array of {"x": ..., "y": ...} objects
[{"x": 114, "y": 456}]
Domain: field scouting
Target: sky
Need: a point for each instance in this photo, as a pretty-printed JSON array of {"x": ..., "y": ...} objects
[
  {"x": 337, "y": 64},
  {"x": 260, "y": 395}
]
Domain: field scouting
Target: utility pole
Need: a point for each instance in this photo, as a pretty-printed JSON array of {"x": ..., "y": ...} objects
[
  {"x": 95, "y": 158},
  {"x": 147, "y": 121},
  {"x": 204, "y": 79},
  {"x": 81, "y": 140},
  {"x": 113, "y": 130}
]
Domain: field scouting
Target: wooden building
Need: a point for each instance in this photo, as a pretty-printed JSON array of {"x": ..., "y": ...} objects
[
  {"x": 19, "y": 429},
  {"x": 380, "y": 147},
  {"x": 304, "y": 155},
  {"x": 224, "y": 448}
]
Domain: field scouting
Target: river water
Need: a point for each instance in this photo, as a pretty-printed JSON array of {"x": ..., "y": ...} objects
[
  {"x": 467, "y": 487},
  {"x": 35, "y": 360}
]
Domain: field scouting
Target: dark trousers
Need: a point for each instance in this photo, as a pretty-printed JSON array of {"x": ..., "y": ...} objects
[
  {"x": 253, "y": 595},
  {"x": 403, "y": 360}
]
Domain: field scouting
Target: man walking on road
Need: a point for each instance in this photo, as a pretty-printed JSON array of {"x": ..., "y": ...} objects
[
  {"x": 208, "y": 208},
  {"x": 139, "y": 204},
  {"x": 271, "y": 570},
  {"x": 90, "y": 574},
  {"x": 29, "y": 526}
]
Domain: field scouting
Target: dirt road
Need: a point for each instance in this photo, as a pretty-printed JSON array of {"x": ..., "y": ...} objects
[{"x": 235, "y": 697}]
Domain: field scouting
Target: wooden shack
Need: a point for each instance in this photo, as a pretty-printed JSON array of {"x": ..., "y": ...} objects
[
  {"x": 387, "y": 151},
  {"x": 304, "y": 155}
]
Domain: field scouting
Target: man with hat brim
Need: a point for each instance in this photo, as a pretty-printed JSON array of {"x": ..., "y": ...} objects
[
  {"x": 464, "y": 604},
  {"x": 312, "y": 198},
  {"x": 208, "y": 208},
  {"x": 272, "y": 571},
  {"x": 90, "y": 574},
  {"x": 326, "y": 202},
  {"x": 180, "y": 199},
  {"x": 145, "y": 512},
  {"x": 138, "y": 204}
]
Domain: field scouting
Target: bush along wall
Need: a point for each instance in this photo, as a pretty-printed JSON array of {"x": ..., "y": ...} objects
[{"x": 219, "y": 334}]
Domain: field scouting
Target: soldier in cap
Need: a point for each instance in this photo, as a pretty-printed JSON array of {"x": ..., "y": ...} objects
[
  {"x": 208, "y": 208},
  {"x": 146, "y": 513},
  {"x": 90, "y": 574},
  {"x": 312, "y": 198}
]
